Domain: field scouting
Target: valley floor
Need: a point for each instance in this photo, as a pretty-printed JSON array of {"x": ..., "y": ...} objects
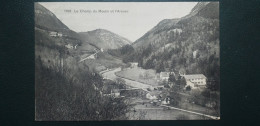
[{"x": 145, "y": 109}]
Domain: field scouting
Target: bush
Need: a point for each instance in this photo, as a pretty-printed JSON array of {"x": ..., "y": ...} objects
[
  {"x": 175, "y": 98},
  {"x": 188, "y": 88}
]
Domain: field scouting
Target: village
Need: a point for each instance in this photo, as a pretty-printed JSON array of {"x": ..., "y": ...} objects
[
  {"x": 164, "y": 92},
  {"x": 168, "y": 92},
  {"x": 168, "y": 70}
]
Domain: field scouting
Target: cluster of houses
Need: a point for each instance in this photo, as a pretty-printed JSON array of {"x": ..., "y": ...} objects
[
  {"x": 55, "y": 34},
  {"x": 113, "y": 93},
  {"x": 192, "y": 80}
]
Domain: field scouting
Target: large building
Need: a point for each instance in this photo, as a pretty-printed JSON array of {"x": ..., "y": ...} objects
[{"x": 195, "y": 80}]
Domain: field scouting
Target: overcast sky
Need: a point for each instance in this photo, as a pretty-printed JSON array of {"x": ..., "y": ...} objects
[{"x": 136, "y": 19}]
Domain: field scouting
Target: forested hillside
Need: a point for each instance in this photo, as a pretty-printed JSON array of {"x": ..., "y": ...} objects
[
  {"x": 187, "y": 45},
  {"x": 64, "y": 88}
]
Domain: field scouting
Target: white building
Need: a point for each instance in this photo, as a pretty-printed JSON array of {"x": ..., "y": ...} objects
[
  {"x": 75, "y": 47},
  {"x": 166, "y": 101},
  {"x": 59, "y": 34},
  {"x": 195, "y": 80},
  {"x": 115, "y": 93},
  {"x": 53, "y": 34},
  {"x": 165, "y": 75},
  {"x": 195, "y": 54},
  {"x": 151, "y": 97},
  {"x": 134, "y": 64},
  {"x": 69, "y": 46}
]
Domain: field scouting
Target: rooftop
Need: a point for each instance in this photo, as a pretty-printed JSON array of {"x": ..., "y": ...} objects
[
  {"x": 165, "y": 74},
  {"x": 194, "y": 76}
]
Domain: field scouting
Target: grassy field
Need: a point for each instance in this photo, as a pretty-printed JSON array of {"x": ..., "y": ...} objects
[
  {"x": 141, "y": 75},
  {"x": 102, "y": 62},
  {"x": 184, "y": 104},
  {"x": 150, "y": 112}
]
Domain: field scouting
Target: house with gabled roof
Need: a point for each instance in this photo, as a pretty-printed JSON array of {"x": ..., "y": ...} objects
[
  {"x": 195, "y": 80},
  {"x": 165, "y": 75}
]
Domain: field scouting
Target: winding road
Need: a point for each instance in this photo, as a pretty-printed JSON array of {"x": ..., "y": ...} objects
[{"x": 111, "y": 75}]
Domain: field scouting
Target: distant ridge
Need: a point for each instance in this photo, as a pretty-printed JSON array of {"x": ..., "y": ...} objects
[{"x": 104, "y": 39}]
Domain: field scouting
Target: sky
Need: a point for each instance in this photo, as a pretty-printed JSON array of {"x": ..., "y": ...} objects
[{"x": 128, "y": 19}]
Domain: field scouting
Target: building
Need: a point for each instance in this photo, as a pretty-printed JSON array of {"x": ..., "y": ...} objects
[
  {"x": 59, "y": 34},
  {"x": 69, "y": 46},
  {"x": 53, "y": 34},
  {"x": 101, "y": 50},
  {"x": 75, "y": 47},
  {"x": 115, "y": 93},
  {"x": 149, "y": 96},
  {"x": 195, "y": 80},
  {"x": 166, "y": 101},
  {"x": 109, "y": 90},
  {"x": 134, "y": 64},
  {"x": 195, "y": 53},
  {"x": 165, "y": 75}
]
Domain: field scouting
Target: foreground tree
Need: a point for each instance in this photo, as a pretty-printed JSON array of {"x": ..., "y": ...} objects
[{"x": 59, "y": 97}]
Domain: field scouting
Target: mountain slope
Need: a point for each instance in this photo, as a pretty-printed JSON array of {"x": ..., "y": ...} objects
[
  {"x": 189, "y": 44},
  {"x": 68, "y": 48},
  {"x": 62, "y": 84},
  {"x": 162, "y": 26},
  {"x": 166, "y": 28},
  {"x": 44, "y": 17},
  {"x": 56, "y": 51},
  {"x": 104, "y": 39}
]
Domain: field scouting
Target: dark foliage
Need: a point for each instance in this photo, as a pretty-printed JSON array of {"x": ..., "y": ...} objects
[
  {"x": 123, "y": 52},
  {"x": 62, "y": 98}
]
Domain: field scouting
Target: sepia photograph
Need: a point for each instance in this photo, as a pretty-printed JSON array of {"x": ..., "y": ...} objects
[{"x": 100, "y": 61}]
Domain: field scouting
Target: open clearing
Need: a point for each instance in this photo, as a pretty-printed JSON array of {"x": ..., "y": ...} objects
[{"x": 148, "y": 76}]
